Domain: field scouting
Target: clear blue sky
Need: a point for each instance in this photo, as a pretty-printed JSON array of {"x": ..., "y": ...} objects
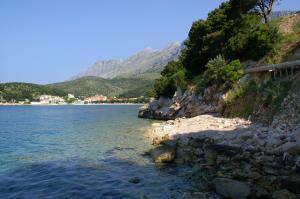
[{"x": 45, "y": 41}]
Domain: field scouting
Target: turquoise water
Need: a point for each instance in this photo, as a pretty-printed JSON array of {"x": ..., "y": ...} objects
[{"x": 80, "y": 152}]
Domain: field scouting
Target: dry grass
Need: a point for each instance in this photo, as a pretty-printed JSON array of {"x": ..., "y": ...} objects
[{"x": 288, "y": 46}]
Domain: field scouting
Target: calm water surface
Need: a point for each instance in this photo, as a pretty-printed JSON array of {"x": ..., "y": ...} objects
[{"x": 80, "y": 152}]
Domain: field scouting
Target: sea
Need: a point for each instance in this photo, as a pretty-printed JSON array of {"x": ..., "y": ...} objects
[{"x": 83, "y": 151}]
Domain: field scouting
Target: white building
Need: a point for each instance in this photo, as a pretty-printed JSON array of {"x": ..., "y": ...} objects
[
  {"x": 49, "y": 99},
  {"x": 71, "y": 96}
]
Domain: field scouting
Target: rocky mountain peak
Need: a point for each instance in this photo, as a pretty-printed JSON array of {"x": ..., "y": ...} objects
[{"x": 148, "y": 59}]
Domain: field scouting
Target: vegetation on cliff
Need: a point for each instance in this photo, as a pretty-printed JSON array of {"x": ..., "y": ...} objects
[
  {"x": 236, "y": 35},
  {"x": 262, "y": 96},
  {"x": 234, "y": 31}
]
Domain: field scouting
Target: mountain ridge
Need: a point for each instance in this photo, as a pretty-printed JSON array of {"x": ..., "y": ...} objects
[{"x": 141, "y": 62}]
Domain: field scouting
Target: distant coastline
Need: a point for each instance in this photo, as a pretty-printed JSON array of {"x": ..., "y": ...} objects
[{"x": 102, "y": 104}]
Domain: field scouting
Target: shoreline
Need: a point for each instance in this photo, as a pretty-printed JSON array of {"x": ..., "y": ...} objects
[
  {"x": 104, "y": 104},
  {"x": 231, "y": 156}
]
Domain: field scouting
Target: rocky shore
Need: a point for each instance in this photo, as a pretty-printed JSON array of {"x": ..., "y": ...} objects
[
  {"x": 184, "y": 104},
  {"x": 235, "y": 158}
]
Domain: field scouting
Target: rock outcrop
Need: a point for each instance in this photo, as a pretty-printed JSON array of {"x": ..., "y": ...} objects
[
  {"x": 237, "y": 158},
  {"x": 163, "y": 154},
  {"x": 187, "y": 104}
]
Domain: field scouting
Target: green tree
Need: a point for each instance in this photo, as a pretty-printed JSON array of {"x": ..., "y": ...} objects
[
  {"x": 173, "y": 76},
  {"x": 234, "y": 31},
  {"x": 219, "y": 72}
]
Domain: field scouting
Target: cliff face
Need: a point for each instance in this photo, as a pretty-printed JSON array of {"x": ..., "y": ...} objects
[
  {"x": 147, "y": 60},
  {"x": 187, "y": 104}
]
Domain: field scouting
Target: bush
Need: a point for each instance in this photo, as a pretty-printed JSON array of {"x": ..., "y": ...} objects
[
  {"x": 171, "y": 68},
  {"x": 273, "y": 92},
  {"x": 261, "y": 41},
  {"x": 243, "y": 100},
  {"x": 218, "y": 72},
  {"x": 164, "y": 87},
  {"x": 173, "y": 76}
]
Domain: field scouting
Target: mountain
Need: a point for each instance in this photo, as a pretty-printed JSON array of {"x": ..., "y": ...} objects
[
  {"x": 132, "y": 77},
  {"x": 145, "y": 61},
  {"x": 91, "y": 85}
]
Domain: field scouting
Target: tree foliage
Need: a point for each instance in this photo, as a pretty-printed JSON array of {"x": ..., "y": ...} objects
[
  {"x": 173, "y": 76},
  {"x": 219, "y": 72},
  {"x": 88, "y": 86},
  {"x": 23, "y": 91},
  {"x": 233, "y": 31}
]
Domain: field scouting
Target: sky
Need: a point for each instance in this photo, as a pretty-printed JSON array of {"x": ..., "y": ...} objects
[{"x": 47, "y": 41}]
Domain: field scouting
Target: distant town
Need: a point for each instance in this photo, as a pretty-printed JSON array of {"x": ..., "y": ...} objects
[{"x": 71, "y": 99}]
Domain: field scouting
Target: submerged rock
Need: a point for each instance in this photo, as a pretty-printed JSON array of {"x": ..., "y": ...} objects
[
  {"x": 231, "y": 188},
  {"x": 193, "y": 195},
  {"x": 283, "y": 194},
  {"x": 292, "y": 183},
  {"x": 163, "y": 154},
  {"x": 135, "y": 180}
]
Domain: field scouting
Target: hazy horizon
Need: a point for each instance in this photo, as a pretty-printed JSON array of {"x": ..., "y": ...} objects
[{"x": 50, "y": 41}]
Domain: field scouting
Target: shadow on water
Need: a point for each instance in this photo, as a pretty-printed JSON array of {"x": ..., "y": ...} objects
[{"x": 113, "y": 178}]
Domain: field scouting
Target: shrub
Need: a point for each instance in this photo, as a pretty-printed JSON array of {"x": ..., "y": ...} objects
[
  {"x": 215, "y": 68},
  {"x": 218, "y": 72},
  {"x": 261, "y": 41},
  {"x": 273, "y": 92},
  {"x": 171, "y": 68},
  {"x": 269, "y": 94},
  {"x": 173, "y": 76},
  {"x": 164, "y": 87}
]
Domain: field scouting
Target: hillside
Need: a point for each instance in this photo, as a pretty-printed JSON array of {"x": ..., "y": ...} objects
[
  {"x": 239, "y": 129},
  {"x": 86, "y": 86},
  {"x": 208, "y": 76},
  {"x": 145, "y": 61},
  {"x": 23, "y": 91}
]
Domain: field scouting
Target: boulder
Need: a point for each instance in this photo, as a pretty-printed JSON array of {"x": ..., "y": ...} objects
[
  {"x": 292, "y": 148},
  {"x": 292, "y": 183},
  {"x": 163, "y": 101},
  {"x": 178, "y": 95},
  {"x": 184, "y": 105},
  {"x": 260, "y": 192},
  {"x": 283, "y": 194},
  {"x": 154, "y": 105},
  {"x": 146, "y": 112},
  {"x": 163, "y": 154},
  {"x": 193, "y": 195},
  {"x": 231, "y": 188}
]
